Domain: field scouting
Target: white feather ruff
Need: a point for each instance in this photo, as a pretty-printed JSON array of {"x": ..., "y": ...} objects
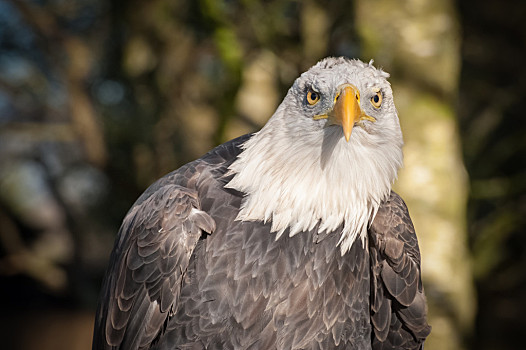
[{"x": 296, "y": 184}]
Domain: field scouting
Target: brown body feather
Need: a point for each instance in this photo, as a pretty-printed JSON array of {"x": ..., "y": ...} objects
[{"x": 185, "y": 275}]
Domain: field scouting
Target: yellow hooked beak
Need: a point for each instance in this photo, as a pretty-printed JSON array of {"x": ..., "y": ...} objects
[{"x": 346, "y": 111}]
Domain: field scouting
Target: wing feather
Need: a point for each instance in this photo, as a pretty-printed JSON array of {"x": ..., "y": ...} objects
[
  {"x": 155, "y": 243},
  {"x": 398, "y": 306}
]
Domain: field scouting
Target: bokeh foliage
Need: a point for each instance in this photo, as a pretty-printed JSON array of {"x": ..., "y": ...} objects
[{"x": 100, "y": 98}]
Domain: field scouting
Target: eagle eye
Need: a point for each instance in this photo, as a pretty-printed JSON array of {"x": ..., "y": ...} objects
[
  {"x": 376, "y": 100},
  {"x": 313, "y": 97}
]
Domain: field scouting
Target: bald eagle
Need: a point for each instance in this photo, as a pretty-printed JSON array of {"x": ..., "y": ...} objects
[{"x": 288, "y": 238}]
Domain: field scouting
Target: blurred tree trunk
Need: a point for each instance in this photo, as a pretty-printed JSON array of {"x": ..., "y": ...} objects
[{"x": 418, "y": 43}]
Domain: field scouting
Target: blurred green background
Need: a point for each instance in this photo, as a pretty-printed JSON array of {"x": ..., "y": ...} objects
[{"x": 100, "y": 98}]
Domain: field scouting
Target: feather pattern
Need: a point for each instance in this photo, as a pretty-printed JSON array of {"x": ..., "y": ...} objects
[
  {"x": 196, "y": 265},
  {"x": 398, "y": 307},
  {"x": 241, "y": 288}
]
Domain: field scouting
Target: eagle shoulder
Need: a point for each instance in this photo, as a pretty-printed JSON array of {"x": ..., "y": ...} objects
[
  {"x": 152, "y": 251},
  {"x": 398, "y": 305}
]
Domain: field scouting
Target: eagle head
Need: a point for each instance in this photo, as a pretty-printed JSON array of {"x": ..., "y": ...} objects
[{"x": 327, "y": 157}]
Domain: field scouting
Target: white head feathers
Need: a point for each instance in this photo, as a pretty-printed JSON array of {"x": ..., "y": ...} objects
[{"x": 298, "y": 171}]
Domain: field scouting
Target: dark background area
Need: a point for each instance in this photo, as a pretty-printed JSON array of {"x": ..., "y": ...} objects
[
  {"x": 492, "y": 122},
  {"x": 100, "y": 98}
]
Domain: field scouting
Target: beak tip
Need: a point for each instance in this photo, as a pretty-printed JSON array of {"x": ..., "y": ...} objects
[{"x": 347, "y": 136}]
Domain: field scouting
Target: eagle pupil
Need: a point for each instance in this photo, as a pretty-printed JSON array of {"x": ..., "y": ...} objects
[
  {"x": 313, "y": 96},
  {"x": 376, "y": 98}
]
